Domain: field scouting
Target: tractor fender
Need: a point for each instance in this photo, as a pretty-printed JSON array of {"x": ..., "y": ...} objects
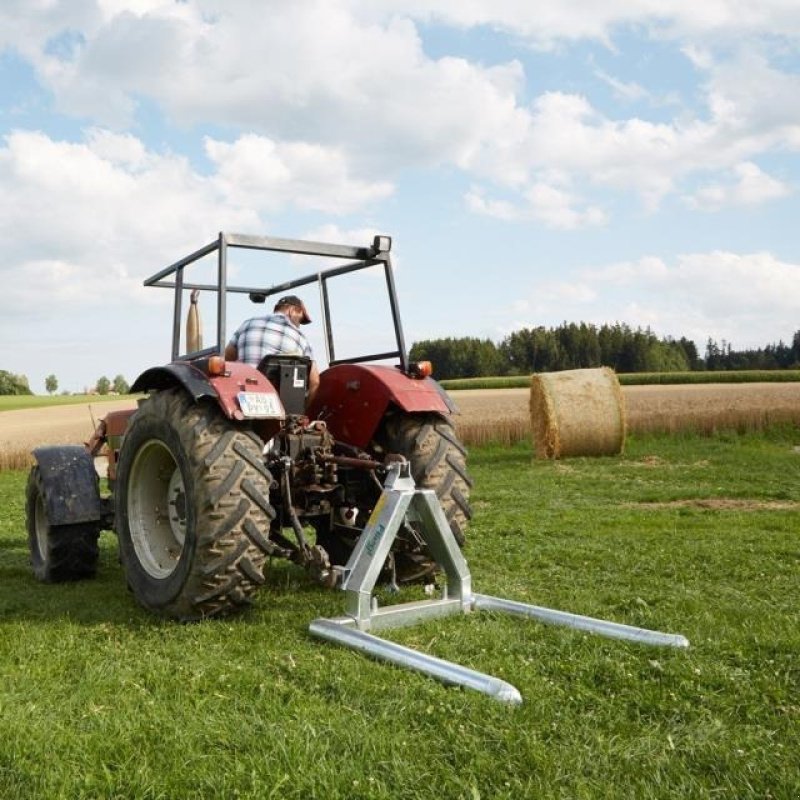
[
  {"x": 352, "y": 399},
  {"x": 171, "y": 375},
  {"x": 69, "y": 484},
  {"x": 222, "y": 389}
]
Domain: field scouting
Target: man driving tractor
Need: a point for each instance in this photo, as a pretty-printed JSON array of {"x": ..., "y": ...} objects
[{"x": 276, "y": 334}]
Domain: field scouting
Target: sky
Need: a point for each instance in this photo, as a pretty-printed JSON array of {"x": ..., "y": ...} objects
[{"x": 631, "y": 161}]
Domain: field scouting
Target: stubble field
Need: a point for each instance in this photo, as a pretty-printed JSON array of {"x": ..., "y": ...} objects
[
  {"x": 486, "y": 415},
  {"x": 502, "y": 415}
]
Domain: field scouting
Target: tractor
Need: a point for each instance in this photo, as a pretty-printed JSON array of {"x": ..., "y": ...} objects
[{"x": 222, "y": 466}]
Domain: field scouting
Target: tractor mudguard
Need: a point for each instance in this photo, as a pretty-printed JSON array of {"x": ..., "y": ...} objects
[
  {"x": 353, "y": 398},
  {"x": 222, "y": 389},
  {"x": 69, "y": 484},
  {"x": 192, "y": 379}
]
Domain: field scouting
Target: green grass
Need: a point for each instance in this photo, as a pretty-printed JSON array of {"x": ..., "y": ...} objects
[
  {"x": 639, "y": 379},
  {"x": 690, "y": 535},
  {"x": 19, "y": 401},
  {"x": 723, "y": 376}
]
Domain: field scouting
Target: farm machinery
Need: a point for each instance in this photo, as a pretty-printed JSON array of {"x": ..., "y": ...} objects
[{"x": 222, "y": 467}]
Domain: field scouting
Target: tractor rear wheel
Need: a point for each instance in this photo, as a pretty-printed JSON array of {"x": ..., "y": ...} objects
[
  {"x": 58, "y": 552},
  {"x": 193, "y": 509},
  {"x": 438, "y": 461}
]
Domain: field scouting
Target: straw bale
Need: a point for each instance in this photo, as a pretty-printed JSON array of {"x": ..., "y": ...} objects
[{"x": 579, "y": 412}]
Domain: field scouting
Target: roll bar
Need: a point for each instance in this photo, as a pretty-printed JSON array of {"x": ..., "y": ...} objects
[{"x": 362, "y": 257}]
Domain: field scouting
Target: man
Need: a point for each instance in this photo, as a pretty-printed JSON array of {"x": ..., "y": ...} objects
[{"x": 275, "y": 334}]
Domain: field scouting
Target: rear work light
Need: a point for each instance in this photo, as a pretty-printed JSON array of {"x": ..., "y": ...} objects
[
  {"x": 216, "y": 365},
  {"x": 382, "y": 244},
  {"x": 420, "y": 369}
]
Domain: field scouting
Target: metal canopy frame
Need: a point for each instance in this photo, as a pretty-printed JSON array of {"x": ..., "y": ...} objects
[
  {"x": 362, "y": 257},
  {"x": 401, "y": 501}
]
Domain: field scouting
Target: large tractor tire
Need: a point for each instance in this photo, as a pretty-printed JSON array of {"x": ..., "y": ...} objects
[
  {"x": 192, "y": 510},
  {"x": 437, "y": 459},
  {"x": 58, "y": 553},
  {"x": 438, "y": 462}
]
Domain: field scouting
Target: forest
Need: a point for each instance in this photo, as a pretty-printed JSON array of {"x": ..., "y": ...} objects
[{"x": 580, "y": 345}]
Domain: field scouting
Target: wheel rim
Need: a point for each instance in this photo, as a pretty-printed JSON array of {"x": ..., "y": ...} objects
[
  {"x": 41, "y": 525},
  {"x": 157, "y": 509}
]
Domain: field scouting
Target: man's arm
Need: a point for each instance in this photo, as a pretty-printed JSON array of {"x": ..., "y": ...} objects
[
  {"x": 313, "y": 383},
  {"x": 231, "y": 353}
]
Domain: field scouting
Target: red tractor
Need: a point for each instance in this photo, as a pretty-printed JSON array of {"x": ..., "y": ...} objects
[{"x": 221, "y": 466}]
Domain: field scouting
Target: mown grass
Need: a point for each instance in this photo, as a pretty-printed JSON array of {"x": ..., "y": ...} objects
[
  {"x": 17, "y": 402},
  {"x": 638, "y": 379},
  {"x": 691, "y": 535}
]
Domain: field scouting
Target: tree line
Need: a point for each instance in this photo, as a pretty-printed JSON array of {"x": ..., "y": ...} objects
[
  {"x": 567, "y": 346},
  {"x": 11, "y": 384},
  {"x": 774, "y": 356},
  {"x": 581, "y": 345}
]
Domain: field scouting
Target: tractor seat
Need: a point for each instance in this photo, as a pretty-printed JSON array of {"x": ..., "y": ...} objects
[{"x": 289, "y": 376}]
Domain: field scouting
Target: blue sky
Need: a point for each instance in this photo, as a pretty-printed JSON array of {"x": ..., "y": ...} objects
[{"x": 538, "y": 162}]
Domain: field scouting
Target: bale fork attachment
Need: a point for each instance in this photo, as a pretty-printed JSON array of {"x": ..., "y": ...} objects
[{"x": 401, "y": 500}]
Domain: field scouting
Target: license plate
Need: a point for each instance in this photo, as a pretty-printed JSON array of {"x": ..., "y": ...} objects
[{"x": 260, "y": 404}]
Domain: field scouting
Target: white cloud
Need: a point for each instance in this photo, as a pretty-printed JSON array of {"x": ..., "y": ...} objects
[
  {"x": 329, "y": 105},
  {"x": 355, "y": 106},
  {"x": 630, "y": 91},
  {"x": 749, "y": 186},
  {"x": 749, "y": 97},
  {"x": 258, "y": 172},
  {"x": 747, "y": 299},
  {"x": 552, "y": 205},
  {"x": 120, "y": 203},
  {"x": 116, "y": 203},
  {"x": 548, "y": 22},
  {"x": 330, "y": 232},
  {"x": 543, "y": 24},
  {"x": 83, "y": 223},
  {"x": 367, "y": 83}
]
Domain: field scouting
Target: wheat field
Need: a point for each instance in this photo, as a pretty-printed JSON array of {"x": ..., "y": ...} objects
[
  {"x": 502, "y": 415},
  {"x": 485, "y": 415}
]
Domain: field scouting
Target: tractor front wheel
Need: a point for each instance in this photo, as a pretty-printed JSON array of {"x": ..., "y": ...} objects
[
  {"x": 193, "y": 512},
  {"x": 58, "y": 552}
]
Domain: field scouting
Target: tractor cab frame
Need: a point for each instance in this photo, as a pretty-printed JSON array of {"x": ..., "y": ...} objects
[{"x": 376, "y": 255}]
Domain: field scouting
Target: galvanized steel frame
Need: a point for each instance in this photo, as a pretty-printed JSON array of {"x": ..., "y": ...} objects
[{"x": 401, "y": 501}]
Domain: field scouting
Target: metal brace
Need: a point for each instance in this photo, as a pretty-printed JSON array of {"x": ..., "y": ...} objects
[{"x": 399, "y": 500}]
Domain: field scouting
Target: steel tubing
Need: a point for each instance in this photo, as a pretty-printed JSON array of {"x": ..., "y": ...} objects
[
  {"x": 445, "y": 671},
  {"x": 614, "y": 630}
]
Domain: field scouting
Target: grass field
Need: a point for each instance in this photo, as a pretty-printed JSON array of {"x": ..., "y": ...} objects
[
  {"x": 684, "y": 534},
  {"x": 21, "y": 401}
]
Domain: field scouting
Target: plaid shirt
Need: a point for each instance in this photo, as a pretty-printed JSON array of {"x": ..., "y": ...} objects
[{"x": 273, "y": 334}]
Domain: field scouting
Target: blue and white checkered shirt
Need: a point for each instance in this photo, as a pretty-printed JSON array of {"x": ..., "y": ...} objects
[{"x": 273, "y": 334}]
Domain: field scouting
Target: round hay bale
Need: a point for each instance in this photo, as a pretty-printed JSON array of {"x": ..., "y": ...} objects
[{"x": 578, "y": 412}]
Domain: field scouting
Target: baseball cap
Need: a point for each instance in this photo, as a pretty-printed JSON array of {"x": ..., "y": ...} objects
[{"x": 294, "y": 300}]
